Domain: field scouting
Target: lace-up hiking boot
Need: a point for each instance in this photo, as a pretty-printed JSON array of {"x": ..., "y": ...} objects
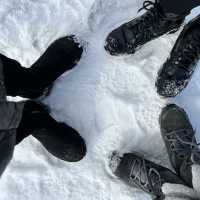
[
  {"x": 179, "y": 138},
  {"x": 176, "y": 72},
  {"x": 141, "y": 173},
  {"x": 152, "y": 24}
]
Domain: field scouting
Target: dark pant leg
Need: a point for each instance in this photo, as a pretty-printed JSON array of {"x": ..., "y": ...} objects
[
  {"x": 10, "y": 117},
  {"x": 7, "y": 143},
  {"x": 182, "y": 7}
]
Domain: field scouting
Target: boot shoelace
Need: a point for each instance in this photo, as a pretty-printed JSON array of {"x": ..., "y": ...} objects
[
  {"x": 187, "y": 55},
  {"x": 141, "y": 170},
  {"x": 174, "y": 136},
  {"x": 155, "y": 10},
  {"x": 150, "y": 19},
  {"x": 153, "y": 15}
]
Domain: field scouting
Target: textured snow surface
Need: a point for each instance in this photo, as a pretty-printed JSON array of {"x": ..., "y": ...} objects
[{"x": 111, "y": 101}]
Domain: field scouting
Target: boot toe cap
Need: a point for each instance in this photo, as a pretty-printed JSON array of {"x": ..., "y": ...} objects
[
  {"x": 76, "y": 152},
  {"x": 168, "y": 88},
  {"x": 113, "y": 46},
  {"x": 115, "y": 42}
]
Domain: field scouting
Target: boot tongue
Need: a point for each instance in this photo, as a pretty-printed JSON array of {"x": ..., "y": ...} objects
[
  {"x": 186, "y": 172},
  {"x": 192, "y": 158},
  {"x": 172, "y": 8},
  {"x": 195, "y": 157}
]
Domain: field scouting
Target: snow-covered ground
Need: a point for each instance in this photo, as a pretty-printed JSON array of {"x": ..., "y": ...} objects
[{"x": 111, "y": 101}]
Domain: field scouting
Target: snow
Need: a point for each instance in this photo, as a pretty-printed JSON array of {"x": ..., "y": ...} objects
[{"x": 111, "y": 101}]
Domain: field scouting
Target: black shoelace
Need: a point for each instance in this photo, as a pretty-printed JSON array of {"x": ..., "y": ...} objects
[
  {"x": 182, "y": 136},
  {"x": 150, "y": 19},
  {"x": 148, "y": 4},
  {"x": 147, "y": 178}
]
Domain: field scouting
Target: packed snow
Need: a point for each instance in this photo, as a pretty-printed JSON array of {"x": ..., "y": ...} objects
[{"x": 111, "y": 101}]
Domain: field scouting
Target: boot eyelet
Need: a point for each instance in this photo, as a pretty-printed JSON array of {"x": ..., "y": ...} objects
[
  {"x": 172, "y": 146},
  {"x": 181, "y": 156},
  {"x": 132, "y": 176}
]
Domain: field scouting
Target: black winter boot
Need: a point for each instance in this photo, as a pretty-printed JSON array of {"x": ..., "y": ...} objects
[
  {"x": 58, "y": 138},
  {"x": 176, "y": 72},
  {"x": 61, "y": 56},
  {"x": 143, "y": 174},
  {"x": 153, "y": 23},
  {"x": 179, "y": 138}
]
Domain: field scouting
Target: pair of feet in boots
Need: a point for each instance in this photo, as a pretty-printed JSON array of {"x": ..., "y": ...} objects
[
  {"x": 173, "y": 77},
  {"x": 183, "y": 152},
  {"x": 176, "y": 72},
  {"x": 58, "y": 138}
]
